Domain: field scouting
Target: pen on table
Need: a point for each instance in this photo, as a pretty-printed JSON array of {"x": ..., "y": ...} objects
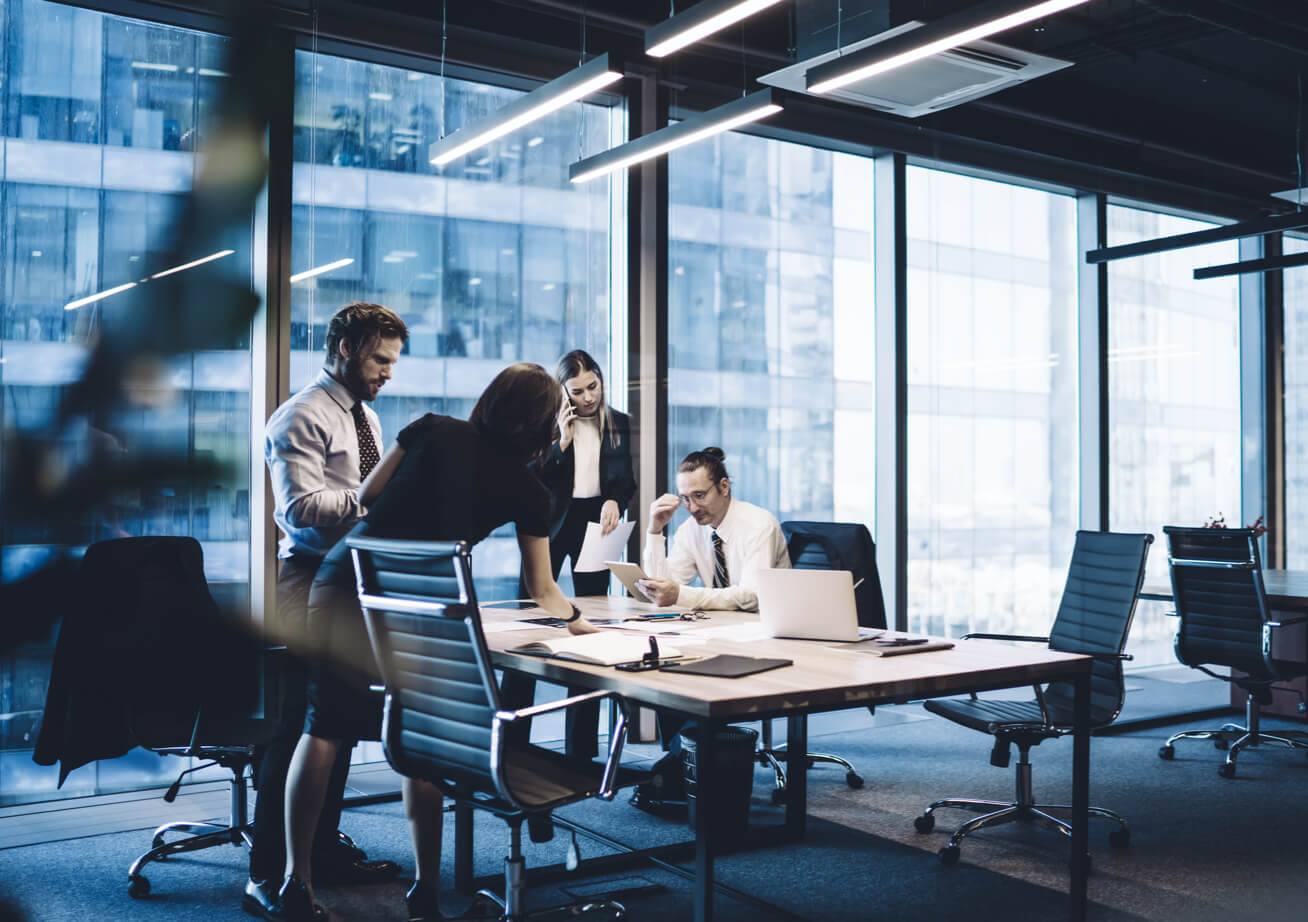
[{"x": 860, "y": 582}]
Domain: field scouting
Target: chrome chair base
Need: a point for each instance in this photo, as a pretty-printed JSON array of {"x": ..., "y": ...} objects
[
  {"x": 772, "y": 756},
  {"x": 1235, "y": 739},
  {"x": 510, "y": 904},
  {"x": 1023, "y": 810},
  {"x": 201, "y": 835}
]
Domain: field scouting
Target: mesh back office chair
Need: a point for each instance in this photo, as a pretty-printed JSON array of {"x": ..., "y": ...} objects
[
  {"x": 1094, "y": 618},
  {"x": 830, "y": 546},
  {"x": 126, "y": 672},
  {"x": 443, "y": 719},
  {"x": 1217, "y": 583}
]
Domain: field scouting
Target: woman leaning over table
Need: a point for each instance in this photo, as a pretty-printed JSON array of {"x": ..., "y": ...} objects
[{"x": 443, "y": 480}]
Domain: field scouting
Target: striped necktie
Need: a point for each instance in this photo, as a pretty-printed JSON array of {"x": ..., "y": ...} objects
[
  {"x": 720, "y": 578},
  {"x": 368, "y": 455}
]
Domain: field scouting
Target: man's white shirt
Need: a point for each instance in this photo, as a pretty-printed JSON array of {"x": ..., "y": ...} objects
[
  {"x": 751, "y": 539},
  {"x": 312, "y": 449}
]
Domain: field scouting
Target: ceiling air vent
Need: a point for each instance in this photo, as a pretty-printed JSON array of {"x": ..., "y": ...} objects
[{"x": 939, "y": 82}]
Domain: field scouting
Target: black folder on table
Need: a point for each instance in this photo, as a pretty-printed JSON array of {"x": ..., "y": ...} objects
[{"x": 727, "y": 666}]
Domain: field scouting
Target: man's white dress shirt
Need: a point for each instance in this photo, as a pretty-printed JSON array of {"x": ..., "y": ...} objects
[
  {"x": 752, "y": 541},
  {"x": 312, "y": 449}
]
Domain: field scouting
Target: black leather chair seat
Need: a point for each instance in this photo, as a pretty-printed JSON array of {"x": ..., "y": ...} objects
[
  {"x": 540, "y": 776},
  {"x": 984, "y": 715}
]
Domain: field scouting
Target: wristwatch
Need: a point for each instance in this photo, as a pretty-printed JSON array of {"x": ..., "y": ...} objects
[{"x": 576, "y": 613}]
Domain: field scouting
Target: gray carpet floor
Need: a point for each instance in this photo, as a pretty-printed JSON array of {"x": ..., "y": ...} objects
[{"x": 1203, "y": 847}]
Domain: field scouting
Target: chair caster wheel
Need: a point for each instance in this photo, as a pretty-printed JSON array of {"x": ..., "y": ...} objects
[
  {"x": 854, "y": 780},
  {"x": 1119, "y": 838},
  {"x": 924, "y": 823},
  {"x": 1221, "y": 743},
  {"x": 948, "y": 855},
  {"x": 138, "y": 887},
  {"x": 1166, "y": 752},
  {"x": 1227, "y": 770},
  {"x": 778, "y": 795}
]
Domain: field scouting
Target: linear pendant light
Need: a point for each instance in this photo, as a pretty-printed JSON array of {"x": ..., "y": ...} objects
[
  {"x": 537, "y": 104},
  {"x": 700, "y": 21},
  {"x": 738, "y": 112},
  {"x": 1271, "y": 225},
  {"x": 967, "y": 25}
]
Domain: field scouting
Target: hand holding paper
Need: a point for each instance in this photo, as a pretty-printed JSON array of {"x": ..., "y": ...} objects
[{"x": 599, "y": 547}]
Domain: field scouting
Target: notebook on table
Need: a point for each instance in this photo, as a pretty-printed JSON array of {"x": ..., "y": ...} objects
[
  {"x": 727, "y": 666},
  {"x": 605, "y": 648}
]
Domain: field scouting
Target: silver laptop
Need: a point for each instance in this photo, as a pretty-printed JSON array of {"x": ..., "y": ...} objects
[{"x": 808, "y": 604}]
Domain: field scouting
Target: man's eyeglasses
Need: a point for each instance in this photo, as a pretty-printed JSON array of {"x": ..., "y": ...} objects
[{"x": 697, "y": 497}]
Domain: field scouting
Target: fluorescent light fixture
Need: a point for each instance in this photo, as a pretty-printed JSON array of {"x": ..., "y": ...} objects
[
  {"x": 211, "y": 72},
  {"x": 191, "y": 265},
  {"x": 380, "y": 97},
  {"x": 1270, "y": 264},
  {"x": 474, "y": 281},
  {"x": 535, "y": 141},
  {"x": 1282, "y": 222},
  {"x": 965, "y": 26},
  {"x": 699, "y": 21},
  {"x": 98, "y": 296},
  {"x": 540, "y": 102},
  {"x": 319, "y": 270},
  {"x": 738, "y": 112},
  {"x": 147, "y": 65}
]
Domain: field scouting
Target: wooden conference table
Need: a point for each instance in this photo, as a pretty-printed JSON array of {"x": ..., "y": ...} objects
[{"x": 824, "y": 677}]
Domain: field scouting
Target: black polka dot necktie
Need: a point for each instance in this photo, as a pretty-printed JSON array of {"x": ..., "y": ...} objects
[
  {"x": 368, "y": 456},
  {"x": 720, "y": 578}
]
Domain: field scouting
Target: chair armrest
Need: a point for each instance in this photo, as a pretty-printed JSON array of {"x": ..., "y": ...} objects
[
  {"x": 1293, "y": 619},
  {"x": 1025, "y": 637},
  {"x": 538, "y": 709},
  {"x": 608, "y": 782}
]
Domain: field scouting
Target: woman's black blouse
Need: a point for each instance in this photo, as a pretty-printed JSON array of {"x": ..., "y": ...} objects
[{"x": 455, "y": 484}]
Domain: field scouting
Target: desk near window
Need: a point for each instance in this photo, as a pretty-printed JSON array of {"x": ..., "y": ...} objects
[{"x": 824, "y": 677}]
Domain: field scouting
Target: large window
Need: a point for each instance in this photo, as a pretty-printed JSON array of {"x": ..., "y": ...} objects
[
  {"x": 100, "y": 118},
  {"x": 496, "y": 258},
  {"x": 1296, "y": 408},
  {"x": 770, "y": 323},
  {"x": 1174, "y": 398},
  {"x": 993, "y": 480}
]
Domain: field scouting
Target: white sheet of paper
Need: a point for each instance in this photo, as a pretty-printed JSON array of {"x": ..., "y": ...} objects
[
  {"x": 596, "y": 549},
  {"x": 499, "y": 627}
]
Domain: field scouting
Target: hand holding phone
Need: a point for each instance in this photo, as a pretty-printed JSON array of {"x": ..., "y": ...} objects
[{"x": 567, "y": 413}]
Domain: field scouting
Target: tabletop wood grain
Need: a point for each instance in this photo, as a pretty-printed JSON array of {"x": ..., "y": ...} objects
[{"x": 825, "y": 675}]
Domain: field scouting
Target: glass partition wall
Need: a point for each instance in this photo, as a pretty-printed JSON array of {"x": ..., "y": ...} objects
[
  {"x": 1174, "y": 398},
  {"x": 494, "y": 259},
  {"x": 1295, "y": 405},
  {"x": 993, "y": 480},
  {"x": 770, "y": 323}
]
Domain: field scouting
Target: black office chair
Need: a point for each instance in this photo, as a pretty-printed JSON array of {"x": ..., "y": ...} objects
[
  {"x": 829, "y": 546},
  {"x": 443, "y": 719},
  {"x": 1094, "y": 618},
  {"x": 146, "y": 658},
  {"x": 1217, "y": 584}
]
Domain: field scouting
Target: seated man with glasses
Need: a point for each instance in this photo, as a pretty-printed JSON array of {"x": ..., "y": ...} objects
[{"x": 725, "y": 542}]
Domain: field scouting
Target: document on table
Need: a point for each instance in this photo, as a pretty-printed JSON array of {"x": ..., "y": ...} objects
[{"x": 597, "y": 548}]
